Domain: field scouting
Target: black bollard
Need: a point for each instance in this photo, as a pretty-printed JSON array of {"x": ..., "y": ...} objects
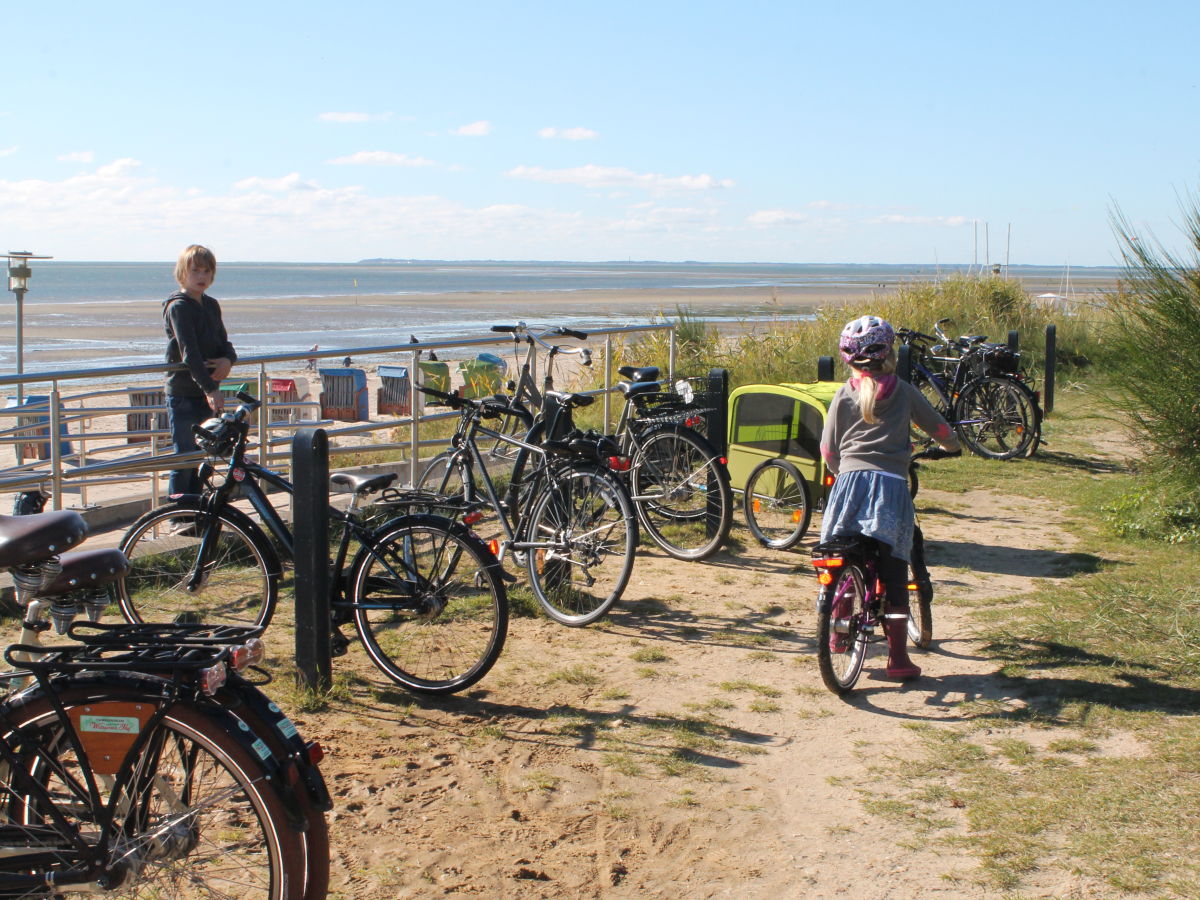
[
  {"x": 310, "y": 521},
  {"x": 1014, "y": 341},
  {"x": 718, "y": 399},
  {"x": 1048, "y": 388},
  {"x": 824, "y": 368}
]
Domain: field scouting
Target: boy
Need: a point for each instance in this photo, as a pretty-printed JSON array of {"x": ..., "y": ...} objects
[{"x": 196, "y": 337}]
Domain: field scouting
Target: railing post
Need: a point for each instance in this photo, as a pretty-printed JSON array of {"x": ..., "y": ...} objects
[
  {"x": 56, "y": 464},
  {"x": 416, "y": 406},
  {"x": 671, "y": 355},
  {"x": 904, "y": 362},
  {"x": 264, "y": 418},
  {"x": 824, "y": 368},
  {"x": 608, "y": 371},
  {"x": 1048, "y": 387},
  {"x": 310, "y": 505}
]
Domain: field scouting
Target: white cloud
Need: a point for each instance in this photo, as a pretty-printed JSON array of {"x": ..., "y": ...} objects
[
  {"x": 291, "y": 182},
  {"x": 8, "y": 151},
  {"x": 79, "y": 156},
  {"x": 568, "y": 134},
  {"x": 379, "y": 158},
  {"x": 942, "y": 221},
  {"x": 475, "y": 129},
  {"x": 353, "y": 118},
  {"x": 592, "y": 176},
  {"x": 770, "y": 218}
]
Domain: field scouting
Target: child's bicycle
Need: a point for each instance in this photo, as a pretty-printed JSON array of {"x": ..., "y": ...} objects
[{"x": 850, "y": 606}]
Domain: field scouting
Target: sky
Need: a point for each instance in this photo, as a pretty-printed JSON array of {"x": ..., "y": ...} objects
[{"x": 797, "y": 132}]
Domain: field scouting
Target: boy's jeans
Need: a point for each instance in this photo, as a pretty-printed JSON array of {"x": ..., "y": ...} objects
[{"x": 183, "y": 413}]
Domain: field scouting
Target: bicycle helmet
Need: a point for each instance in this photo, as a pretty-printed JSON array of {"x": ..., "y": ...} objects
[
  {"x": 866, "y": 341},
  {"x": 216, "y": 436}
]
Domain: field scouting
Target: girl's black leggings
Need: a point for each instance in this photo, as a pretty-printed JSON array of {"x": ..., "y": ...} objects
[{"x": 893, "y": 573}]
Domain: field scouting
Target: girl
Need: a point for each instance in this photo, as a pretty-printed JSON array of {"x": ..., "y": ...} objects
[{"x": 866, "y": 444}]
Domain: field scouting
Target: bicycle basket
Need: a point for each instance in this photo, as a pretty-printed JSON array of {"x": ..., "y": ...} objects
[{"x": 995, "y": 359}]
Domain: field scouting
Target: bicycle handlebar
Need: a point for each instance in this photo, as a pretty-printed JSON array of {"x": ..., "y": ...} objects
[{"x": 488, "y": 407}]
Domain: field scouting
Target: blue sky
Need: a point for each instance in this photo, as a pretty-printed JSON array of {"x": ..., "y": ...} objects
[{"x": 775, "y": 132}]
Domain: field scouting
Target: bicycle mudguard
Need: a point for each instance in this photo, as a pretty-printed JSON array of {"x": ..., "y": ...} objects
[{"x": 247, "y": 699}]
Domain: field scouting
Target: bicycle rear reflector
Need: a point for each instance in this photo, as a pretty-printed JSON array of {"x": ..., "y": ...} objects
[
  {"x": 211, "y": 679},
  {"x": 494, "y": 546},
  {"x": 473, "y": 517},
  {"x": 247, "y": 654},
  {"x": 829, "y": 480},
  {"x": 619, "y": 463},
  {"x": 824, "y": 577}
]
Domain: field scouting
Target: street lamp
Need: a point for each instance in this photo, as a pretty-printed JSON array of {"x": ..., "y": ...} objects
[{"x": 18, "y": 283}]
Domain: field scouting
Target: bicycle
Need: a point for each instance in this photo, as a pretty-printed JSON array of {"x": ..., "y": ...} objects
[
  {"x": 851, "y": 602},
  {"x": 525, "y": 397},
  {"x": 677, "y": 479},
  {"x": 425, "y": 594},
  {"x": 564, "y": 517},
  {"x": 977, "y": 389},
  {"x": 139, "y": 763}
]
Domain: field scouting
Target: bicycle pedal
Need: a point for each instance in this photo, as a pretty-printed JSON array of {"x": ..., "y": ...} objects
[{"x": 339, "y": 644}]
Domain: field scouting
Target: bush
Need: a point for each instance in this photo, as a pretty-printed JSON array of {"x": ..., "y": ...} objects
[{"x": 1154, "y": 343}]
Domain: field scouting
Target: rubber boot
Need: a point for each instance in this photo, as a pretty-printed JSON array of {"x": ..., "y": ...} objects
[{"x": 899, "y": 666}]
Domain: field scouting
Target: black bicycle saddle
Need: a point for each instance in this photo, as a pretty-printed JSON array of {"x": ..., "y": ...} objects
[{"x": 28, "y": 539}]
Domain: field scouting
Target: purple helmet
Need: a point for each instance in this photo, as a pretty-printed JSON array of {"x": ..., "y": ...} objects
[{"x": 866, "y": 340}]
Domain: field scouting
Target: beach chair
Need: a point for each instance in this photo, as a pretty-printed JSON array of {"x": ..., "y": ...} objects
[
  {"x": 37, "y": 428},
  {"x": 344, "y": 395},
  {"x": 482, "y": 376},
  {"x": 149, "y": 420},
  {"x": 394, "y": 396}
]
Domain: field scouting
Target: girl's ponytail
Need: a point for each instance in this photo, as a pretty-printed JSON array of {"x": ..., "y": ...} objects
[{"x": 868, "y": 386}]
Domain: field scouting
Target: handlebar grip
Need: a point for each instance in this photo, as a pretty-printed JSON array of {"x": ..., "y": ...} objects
[
  {"x": 505, "y": 329},
  {"x": 248, "y": 399},
  {"x": 454, "y": 400},
  {"x": 570, "y": 332}
]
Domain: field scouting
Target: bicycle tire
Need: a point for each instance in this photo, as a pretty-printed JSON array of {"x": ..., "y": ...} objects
[
  {"x": 241, "y": 585},
  {"x": 776, "y": 504},
  {"x": 442, "y": 632},
  {"x": 441, "y": 476},
  {"x": 996, "y": 417},
  {"x": 920, "y": 614},
  {"x": 681, "y": 491},
  {"x": 583, "y": 535},
  {"x": 842, "y": 646},
  {"x": 233, "y": 840}
]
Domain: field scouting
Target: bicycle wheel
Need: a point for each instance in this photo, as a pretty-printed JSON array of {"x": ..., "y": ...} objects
[
  {"x": 582, "y": 535},
  {"x": 193, "y": 813},
  {"x": 842, "y": 645},
  {"x": 681, "y": 491},
  {"x": 997, "y": 418},
  {"x": 776, "y": 504},
  {"x": 429, "y": 604},
  {"x": 239, "y": 584},
  {"x": 920, "y": 613},
  {"x": 441, "y": 476}
]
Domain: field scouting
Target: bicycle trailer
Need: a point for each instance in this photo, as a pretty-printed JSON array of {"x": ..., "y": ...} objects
[{"x": 779, "y": 421}]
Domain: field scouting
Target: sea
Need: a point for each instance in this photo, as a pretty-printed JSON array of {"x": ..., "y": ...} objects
[{"x": 400, "y": 298}]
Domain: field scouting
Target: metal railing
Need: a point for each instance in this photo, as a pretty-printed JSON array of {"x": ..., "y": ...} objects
[{"x": 138, "y": 454}]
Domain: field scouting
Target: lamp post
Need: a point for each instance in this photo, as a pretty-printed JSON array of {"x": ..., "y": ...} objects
[{"x": 18, "y": 283}]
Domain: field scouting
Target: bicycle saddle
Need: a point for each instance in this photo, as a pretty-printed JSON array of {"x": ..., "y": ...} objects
[
  {"x": 362, "y": 484},
  {"x": 572, "y": 400},
  {"x": 638, "y": 388},
  {"x": 970, "y": 339},
  {"x": 646, "y": 373},
  {"x": 87, "y": 568},
  {"x": 25, "y": 539}
]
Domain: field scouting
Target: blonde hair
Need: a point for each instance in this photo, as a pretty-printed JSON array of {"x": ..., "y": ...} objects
[
  {"x": 868, "y": 386},
  {"x": 194, "y": 257}
]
